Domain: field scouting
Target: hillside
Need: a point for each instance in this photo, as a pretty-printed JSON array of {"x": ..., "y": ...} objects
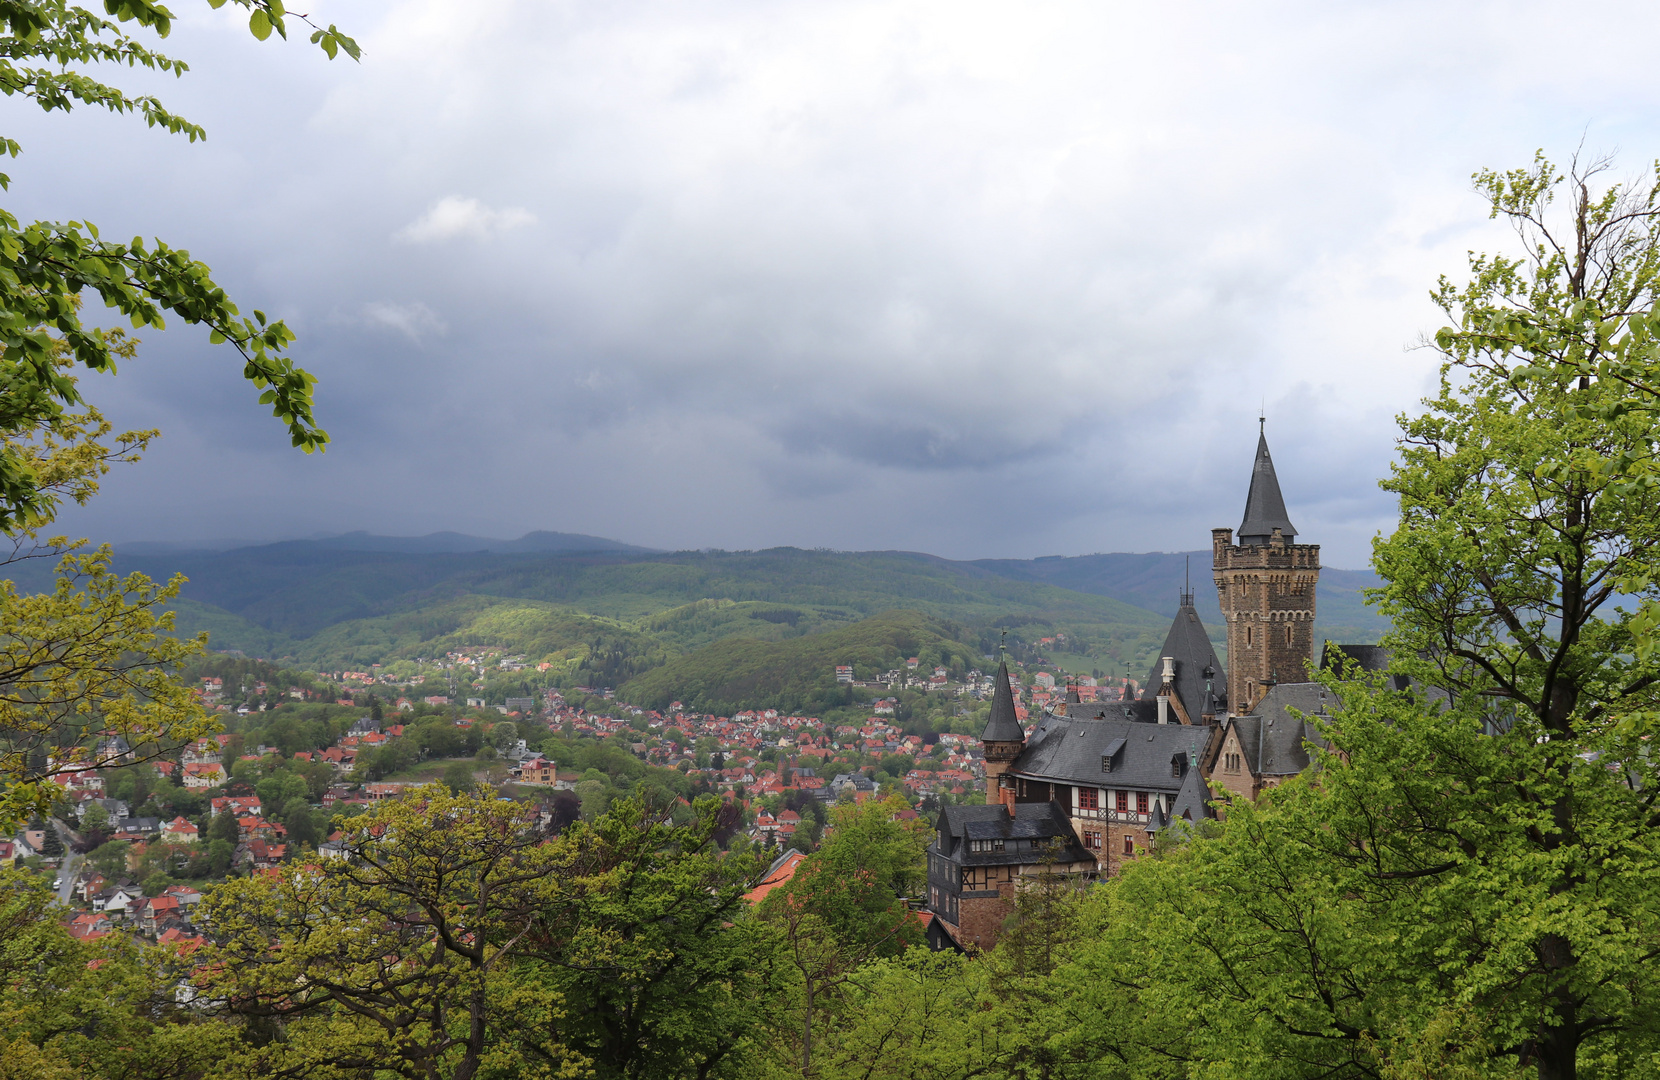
[
  {"x": 613, "y": 617},
  {"x": 1154, "y": 580},
  {"x": 799, "y": 675}
]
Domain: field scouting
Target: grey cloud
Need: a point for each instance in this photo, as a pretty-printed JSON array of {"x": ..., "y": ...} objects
[{"x": 656, "y": 272}]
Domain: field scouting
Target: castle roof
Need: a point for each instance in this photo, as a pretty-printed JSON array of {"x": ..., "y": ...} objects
[
  {"x": 1002, "y": 725},
  {"x": 1029, "y": 833},
  {"x": 1141, "y": 755},
  {"x": 1264, "y": 505},
  {"x": 1189, "y": 644},
  {"x": 1272, "y": 738}
]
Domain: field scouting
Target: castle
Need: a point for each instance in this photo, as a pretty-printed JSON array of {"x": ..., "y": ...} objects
[{"x": 1090, "y": 785}]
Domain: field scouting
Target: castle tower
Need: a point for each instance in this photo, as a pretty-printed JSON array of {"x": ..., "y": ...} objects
[
  {"x": 1004, "y": 738},
  {"x": 1265, "y": 584}
]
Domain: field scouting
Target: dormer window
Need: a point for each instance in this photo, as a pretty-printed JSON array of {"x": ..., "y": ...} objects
[{"x": 1106, "y": 763}]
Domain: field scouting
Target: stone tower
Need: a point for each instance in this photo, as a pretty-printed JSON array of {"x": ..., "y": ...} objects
[
  {"x": 1265, "y": 584},
  {"x": 1004, "y": 738}
]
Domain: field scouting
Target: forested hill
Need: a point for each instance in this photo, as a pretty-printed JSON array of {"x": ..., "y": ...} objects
[{"x": 605, "y": 617}]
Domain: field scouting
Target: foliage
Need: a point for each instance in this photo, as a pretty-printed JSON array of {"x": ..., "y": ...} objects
[
  {"x": 81, "y": 1009},
  {"x": 393, "y": 958},
  {"x": 45, "y": 267},
  {"x": 647, "y": 945},
  {"x": 89, "y": 659}
]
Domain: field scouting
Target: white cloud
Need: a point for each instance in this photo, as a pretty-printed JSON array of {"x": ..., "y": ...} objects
[
  {"x": 452, "y": 217},
  {"x": 415, "y": 321}
]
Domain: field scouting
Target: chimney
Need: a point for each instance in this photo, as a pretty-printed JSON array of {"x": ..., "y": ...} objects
[{"x": 1167, "y": 689}]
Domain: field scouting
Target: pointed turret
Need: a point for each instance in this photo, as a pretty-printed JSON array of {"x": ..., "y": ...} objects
[
  {"x": 1003, "y": 725},
  {"x": 1193, "y": 800},
  {"x": 1264, "y": 505},
  {"x": 1004, "y": 738}
]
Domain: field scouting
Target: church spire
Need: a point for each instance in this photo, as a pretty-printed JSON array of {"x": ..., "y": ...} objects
[{"x": 1264, "y": 506}]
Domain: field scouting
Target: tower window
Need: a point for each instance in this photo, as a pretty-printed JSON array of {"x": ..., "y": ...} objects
[
  {"x": 1247, "y": 635},
  {"x": 1288, "y": 633}
]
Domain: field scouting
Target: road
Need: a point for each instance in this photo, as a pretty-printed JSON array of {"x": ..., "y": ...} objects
[{"x": 71, "y": 860}]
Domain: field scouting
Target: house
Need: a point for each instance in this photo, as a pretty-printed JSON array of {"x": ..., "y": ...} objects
[
  {"x": 154, "y": 911},
  {"x": 120, "y": 900},
  {"x": 201, "y": 752},
  {"x": 133, "y": 828},
  {"x": 202, "y": 775},
  {"x": 236, "y": 805},
  {"x": 252, "y": 826},
  {"x": 115, "y": 808},
  {"x": 266, "y": 854},
  {"x": 180, "y": 831},
  {"x": 538, "y": 770},
  {"x": 782, "y": 870},
  {"x": 187, "y": 897},
  {"x": 89, "y": 925},
  {"x": 981, "y": 855}
]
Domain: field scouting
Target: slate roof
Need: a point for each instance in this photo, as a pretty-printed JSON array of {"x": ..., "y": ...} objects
[
  {"x": 1272, "y": 738},
  {"x": 1070, "y": 751},
  {"x": 1189, "y": 644},
  {"x": 1142, "y": 711},
  {"x": 1264, "y": 505},
  {"x": 1193, "y": 800},
  {"x": 1024, "y": 833},
  {"x": 1002, "y": 725},
  {"x": 1367, "y": 657}
]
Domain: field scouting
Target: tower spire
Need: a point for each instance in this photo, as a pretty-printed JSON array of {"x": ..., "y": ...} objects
[{"x": 1264, "y": 505}]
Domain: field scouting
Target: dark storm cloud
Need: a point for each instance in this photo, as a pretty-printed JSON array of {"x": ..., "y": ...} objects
[{"x": 978, "y": 280}]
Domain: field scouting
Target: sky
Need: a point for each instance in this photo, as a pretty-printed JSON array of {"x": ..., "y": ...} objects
[{"x": 982, "y": 280}]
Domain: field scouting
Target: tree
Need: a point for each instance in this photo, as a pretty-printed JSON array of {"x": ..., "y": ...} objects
[
  {"x": 52, "y": 845},
  {"x": 458, "y": 776},
  {"x": 648, "y": 949},
  {"x": 89, "y": 658},
  {"x": 1521, "y": 526},
  {"x": 1463, "y": 884},
  {"x": 296, "y": 818},
  {"x": 223, "y": 827},
  {"x": 102, "y": 1010},
  {"x": 395, "y": 958}
]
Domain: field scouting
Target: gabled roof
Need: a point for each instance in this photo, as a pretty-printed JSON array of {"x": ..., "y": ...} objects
[
  {"x": 1189, "y": 643},
  {"x": 1272, "y": 739},
  {"x": 1264, "y": 505},
  {"x": 1002, "y": 725},
  {"x": 1070, "y": 751}
]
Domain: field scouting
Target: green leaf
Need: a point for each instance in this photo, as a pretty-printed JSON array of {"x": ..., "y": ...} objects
[{"x": 259, "y": 23}]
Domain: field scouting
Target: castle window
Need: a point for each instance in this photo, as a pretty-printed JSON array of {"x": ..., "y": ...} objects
[
  {"x": 1247, "y": 635},
  {"x": 1129, "y": 845},
  {"x": 1106, "y": 763},
  {"x": 1123, "y": 802},
  {"x": 1089, "y": 798},
  {"x": 1288, "y": 633},
  {"x": 1141, "y": 802},
  {"x": 997, "y": 845},
  {"x": 1092, "y": 840}
]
